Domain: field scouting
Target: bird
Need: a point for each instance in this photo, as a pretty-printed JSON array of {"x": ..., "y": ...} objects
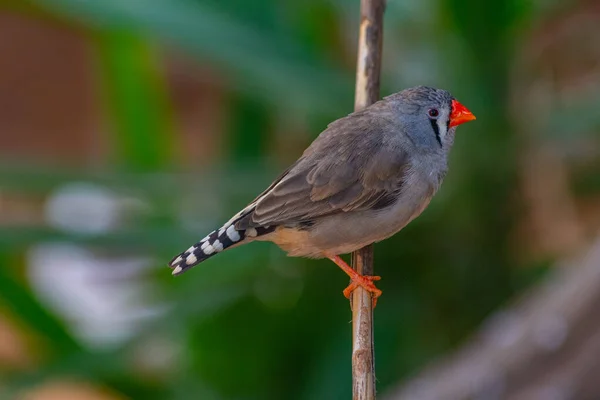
[{"x": 363, "y": 179}]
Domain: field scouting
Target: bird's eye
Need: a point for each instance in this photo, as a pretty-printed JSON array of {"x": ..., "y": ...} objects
[{"x": 433, "y": 112}]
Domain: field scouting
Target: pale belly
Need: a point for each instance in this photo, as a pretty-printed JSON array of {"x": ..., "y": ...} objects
[{"x": 346, "y": 232}]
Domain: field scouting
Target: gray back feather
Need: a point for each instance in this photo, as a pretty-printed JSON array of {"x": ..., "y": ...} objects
[
  {"x": 359, "y": 162},
  {"x": 336, "y": 175}
]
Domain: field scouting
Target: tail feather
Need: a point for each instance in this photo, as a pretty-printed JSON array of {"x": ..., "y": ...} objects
[{"x": 215, "y": 242}]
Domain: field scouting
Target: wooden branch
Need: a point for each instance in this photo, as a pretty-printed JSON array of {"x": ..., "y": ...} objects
[
  {"x": 544, "y": 345},
  {"x": 367, "y": 92},
  {"x": 370, "y": 41}
]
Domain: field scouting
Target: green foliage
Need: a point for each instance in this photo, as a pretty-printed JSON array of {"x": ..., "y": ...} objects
[{"x": 137, "y": 97}]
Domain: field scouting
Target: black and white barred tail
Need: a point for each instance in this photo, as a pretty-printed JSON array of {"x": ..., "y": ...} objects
[
  {"x": 216, "y": 242},
  {"x": 228, "y": 235}
]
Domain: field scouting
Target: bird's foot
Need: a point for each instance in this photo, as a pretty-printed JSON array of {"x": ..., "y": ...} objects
[{"x": 364, "y": 281}]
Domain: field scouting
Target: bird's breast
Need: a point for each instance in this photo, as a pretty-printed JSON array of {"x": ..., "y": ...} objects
[{"x": 346, "y": 232}]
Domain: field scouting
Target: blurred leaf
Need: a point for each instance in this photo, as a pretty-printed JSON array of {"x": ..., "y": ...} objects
[
  {"x": 24, "y": 306},
  {"x": 266, "y": 64},
  {"x": 107, "y": 368},
  {"x": 137, "y": 99},
  {"x": 248, "y": 130},
  {"x": 110, "y": 366}
]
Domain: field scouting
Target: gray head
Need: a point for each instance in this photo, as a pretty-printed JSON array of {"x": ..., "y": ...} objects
[{"x": 429, "y": 116}]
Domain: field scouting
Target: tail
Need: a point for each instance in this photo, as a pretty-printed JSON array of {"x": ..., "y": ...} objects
[
  {"x": 216, "y": 242},
  {"x": 235, "y": 231}
]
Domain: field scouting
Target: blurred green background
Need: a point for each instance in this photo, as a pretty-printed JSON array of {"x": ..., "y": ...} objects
[{"x": 129, "y": 129}]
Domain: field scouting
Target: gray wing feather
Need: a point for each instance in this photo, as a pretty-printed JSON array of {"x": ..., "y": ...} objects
[{"x": 335, "y": 174}]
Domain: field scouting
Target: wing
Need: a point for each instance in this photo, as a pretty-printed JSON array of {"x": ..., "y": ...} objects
[{"x": 353, "y": 165}]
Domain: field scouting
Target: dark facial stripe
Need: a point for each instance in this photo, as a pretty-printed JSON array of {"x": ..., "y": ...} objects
[{"x": 436, "y": 129}]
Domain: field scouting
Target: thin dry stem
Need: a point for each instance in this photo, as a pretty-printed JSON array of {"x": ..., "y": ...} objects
[{"x": 367, "y": 92}]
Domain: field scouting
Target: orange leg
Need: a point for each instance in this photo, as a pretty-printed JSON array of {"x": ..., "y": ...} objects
[{"x": 366, "y": 282}]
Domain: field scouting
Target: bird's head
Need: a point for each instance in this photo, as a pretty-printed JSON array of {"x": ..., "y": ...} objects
[{"x": 430, "y": 116}]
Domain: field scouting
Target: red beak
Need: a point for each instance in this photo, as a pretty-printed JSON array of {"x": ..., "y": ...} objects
[{"x": 460, "y": 114}]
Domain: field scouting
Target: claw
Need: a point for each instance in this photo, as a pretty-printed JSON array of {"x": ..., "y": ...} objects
[
  {"x": 366, "y": 284},
  {"x": 364, "y": 281}
]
